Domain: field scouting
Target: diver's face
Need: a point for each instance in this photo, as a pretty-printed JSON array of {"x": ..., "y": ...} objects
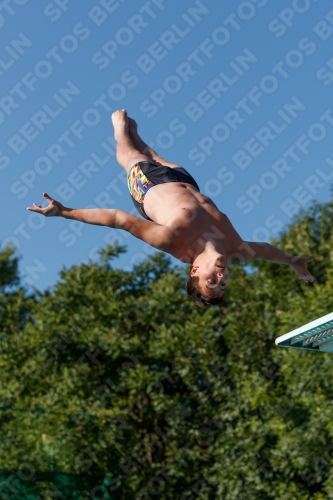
[{"x": 213, "y": 275}]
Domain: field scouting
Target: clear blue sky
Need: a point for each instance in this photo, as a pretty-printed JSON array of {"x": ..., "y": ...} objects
[{"x": 239, "y": 93}]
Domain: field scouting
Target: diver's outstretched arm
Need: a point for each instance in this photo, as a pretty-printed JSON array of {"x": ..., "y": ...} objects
[
  {"x": 154, "y": 234},
  {"x": 269, "y": 252},
  {"x": 97, "y": 216}
]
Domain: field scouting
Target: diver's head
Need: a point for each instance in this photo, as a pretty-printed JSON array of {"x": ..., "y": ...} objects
[{"x": 208, "y": 280}]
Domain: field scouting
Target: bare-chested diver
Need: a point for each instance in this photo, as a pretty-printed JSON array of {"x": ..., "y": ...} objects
[{"x": 177, "y": 218}]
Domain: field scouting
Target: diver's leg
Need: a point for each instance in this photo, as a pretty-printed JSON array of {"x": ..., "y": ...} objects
[
  {"x": 126, "y": 152},
  {"x": 140, "y": 145}
]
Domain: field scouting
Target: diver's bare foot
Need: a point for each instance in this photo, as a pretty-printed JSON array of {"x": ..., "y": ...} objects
[{"x": 120, "y": 123}]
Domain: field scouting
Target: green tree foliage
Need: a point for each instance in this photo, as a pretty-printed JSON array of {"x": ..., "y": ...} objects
[{"x": 114, "y": 385}]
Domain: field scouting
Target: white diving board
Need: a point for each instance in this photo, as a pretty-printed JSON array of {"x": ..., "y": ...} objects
[{"x": 315, "y": 336}]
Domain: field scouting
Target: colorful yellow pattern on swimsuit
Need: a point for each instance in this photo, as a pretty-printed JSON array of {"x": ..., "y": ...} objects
[{"x": 138, "y": 184}]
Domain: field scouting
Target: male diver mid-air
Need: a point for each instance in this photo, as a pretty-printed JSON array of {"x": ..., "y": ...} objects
[{"x": 177, "y": 218}]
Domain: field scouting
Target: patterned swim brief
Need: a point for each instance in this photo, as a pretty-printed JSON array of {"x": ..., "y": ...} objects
[{"x": 145, "y": 175}]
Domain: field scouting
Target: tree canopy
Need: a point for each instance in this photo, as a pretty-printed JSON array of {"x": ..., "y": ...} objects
[{"x": 114, "y": 385}]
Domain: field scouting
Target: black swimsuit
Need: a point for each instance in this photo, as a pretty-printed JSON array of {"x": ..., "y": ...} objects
[{"x": 145, "y": 175}]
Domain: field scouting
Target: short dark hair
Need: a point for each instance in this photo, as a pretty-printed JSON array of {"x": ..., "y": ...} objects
[{"x": 195, "y": 294}]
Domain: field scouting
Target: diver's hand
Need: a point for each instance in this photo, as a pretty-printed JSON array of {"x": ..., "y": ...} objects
[
  {"x": 54, "y": 208},
  {"x": 299, "y": 265}
]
